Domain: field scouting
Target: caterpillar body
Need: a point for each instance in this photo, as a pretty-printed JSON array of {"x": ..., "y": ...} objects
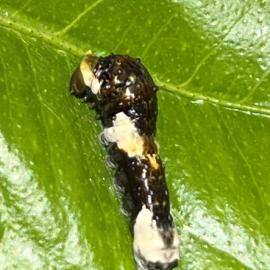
[{"x": 123, "y": 94}]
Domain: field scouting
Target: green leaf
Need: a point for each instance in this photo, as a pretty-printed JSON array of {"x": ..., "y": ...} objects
[{"x": 58, "y": 206}]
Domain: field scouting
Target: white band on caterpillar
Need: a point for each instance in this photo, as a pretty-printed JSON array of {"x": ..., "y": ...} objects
[
  {"x": 148, "y": 241},
  {"x": 125, "y": 134}
]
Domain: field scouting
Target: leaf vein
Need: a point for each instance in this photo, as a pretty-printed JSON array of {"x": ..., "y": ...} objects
[
  {"x": 156, "y": 35},
  {"x": 212, "y": 51},
  {"x": 256, "y": 86},
  {"x": 82, "y": 14},
  {"x": 255, "y": 189},
  {"x": 41, "y": 108},
  {"x": 49, "y": 37}
]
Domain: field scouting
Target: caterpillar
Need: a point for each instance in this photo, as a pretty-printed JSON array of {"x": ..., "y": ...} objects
[{"x": 121, "y": 91}]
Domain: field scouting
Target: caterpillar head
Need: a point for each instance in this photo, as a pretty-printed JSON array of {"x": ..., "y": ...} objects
[
  {"x": 155, "y": 248},
  {"x": 83, "y": 78}
]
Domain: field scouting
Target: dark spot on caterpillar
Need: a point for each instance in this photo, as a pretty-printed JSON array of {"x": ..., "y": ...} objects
[{"x": 123, "y": 94}]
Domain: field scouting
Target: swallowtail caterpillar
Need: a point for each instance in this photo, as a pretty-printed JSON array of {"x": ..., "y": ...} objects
[{"x": 123, "y": 94}]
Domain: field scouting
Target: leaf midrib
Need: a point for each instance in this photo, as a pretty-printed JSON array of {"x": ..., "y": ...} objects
[{"x": 54, "y": 40}]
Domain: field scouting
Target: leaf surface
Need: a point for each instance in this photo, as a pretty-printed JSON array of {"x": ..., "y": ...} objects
[{"x": 58, "y": 205}]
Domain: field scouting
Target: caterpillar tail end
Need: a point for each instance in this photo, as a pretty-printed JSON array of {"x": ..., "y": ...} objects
[{"x": 154, "y": 248}]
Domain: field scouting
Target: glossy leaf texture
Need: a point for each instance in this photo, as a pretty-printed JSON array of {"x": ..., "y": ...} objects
[{"x": 58, "y": 206}]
